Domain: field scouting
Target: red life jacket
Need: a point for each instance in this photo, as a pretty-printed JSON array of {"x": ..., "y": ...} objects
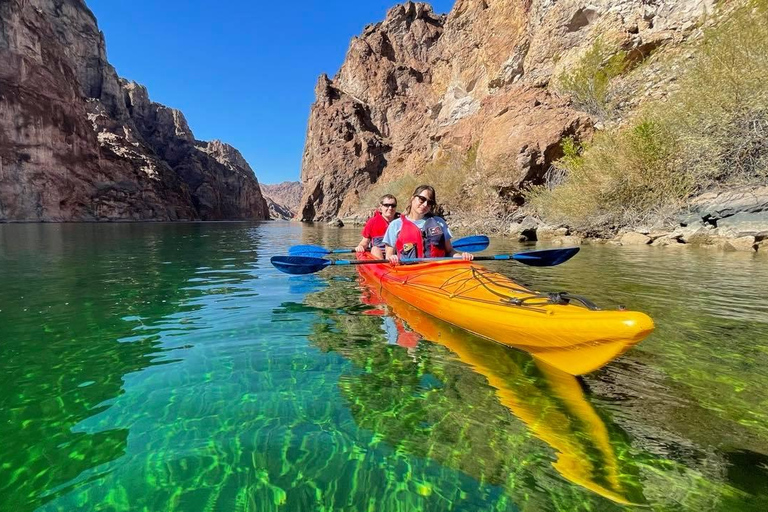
[
  {"x": 428, "y": 242},
  {"x": 375, "y": 229}
]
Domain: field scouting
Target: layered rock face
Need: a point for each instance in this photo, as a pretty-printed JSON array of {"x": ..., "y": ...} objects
[
  {"x": 282, "y": 198},
  {"x": 77, "y": 143},
  {"x": 419, "y": 86}
]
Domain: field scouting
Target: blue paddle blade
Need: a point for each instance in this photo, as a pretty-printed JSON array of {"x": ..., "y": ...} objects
[
  {"x": 308, "y": 250},
  {"x": 474, "y": 243},
  {"x": 299, "y": 264},
  {"x": 546, "y": 257},
  {"x": 315, "y": 251}
]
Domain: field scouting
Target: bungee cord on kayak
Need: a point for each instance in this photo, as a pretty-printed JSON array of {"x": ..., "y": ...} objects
[{"x": 462, "y": 283}]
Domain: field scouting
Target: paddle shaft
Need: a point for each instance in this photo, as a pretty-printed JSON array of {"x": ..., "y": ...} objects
[
  {"x": 293, "y": 264},
  {"x": 473, "y": 243},
  {"x": 406, "y": 261}
]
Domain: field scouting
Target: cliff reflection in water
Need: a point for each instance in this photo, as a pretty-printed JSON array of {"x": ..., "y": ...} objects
[{"x": 449, "y": 398}]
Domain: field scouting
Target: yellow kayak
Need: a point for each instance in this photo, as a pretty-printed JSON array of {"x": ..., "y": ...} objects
[{"x": 562, "y": 331}]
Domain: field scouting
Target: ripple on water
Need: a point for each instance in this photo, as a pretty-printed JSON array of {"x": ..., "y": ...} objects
[{"x": 156, "y": 366}]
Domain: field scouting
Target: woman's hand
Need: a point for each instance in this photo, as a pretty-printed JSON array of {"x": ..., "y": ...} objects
[
  {"x": 393, "y": 260},
  {"x": 466, "y": 256},
  {"x": 360, "y": 248}
]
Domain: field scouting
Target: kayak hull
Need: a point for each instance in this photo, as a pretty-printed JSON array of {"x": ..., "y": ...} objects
[{"x": 570, "y": 337}]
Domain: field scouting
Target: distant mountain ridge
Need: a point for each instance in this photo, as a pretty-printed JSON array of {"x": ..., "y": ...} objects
[
  {"x": 79, "y": 143},
  {"x": 283, "y": 198}
]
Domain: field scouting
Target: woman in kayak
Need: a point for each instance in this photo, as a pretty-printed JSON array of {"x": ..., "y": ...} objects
[
  {"x": 420, "y": 233},
  {"x": 374, "y": 229}
]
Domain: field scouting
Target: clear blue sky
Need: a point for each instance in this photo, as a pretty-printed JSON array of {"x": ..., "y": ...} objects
[{"x": 241, "y": 71}]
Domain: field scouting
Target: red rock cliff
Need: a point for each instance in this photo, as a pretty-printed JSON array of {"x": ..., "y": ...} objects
[
  {"x": 418, "y": 87},
  {"x": 79, "y": 143}
]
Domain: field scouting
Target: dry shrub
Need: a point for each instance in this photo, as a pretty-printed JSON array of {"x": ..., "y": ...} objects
[
  {"x": 720, "y": 113},
  {"x": 462, "y": 191},
  {"x": 589, "y": 84},
  {"x": 712, "y": 131},
  {"x": 622, "y": 178}
]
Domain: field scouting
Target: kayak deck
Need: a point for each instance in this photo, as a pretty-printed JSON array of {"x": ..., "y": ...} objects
[{"x": 568, "y": 336}]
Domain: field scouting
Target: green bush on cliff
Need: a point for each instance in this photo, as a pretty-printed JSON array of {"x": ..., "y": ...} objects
[
  {"x": 720, "y": 113},
  {"x": 713, "y": 130},
  {"x": 620, "y": 178},
  {"x": 589, "y": 84}
]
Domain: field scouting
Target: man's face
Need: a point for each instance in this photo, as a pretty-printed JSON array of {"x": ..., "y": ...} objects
[{"x": 388, "y": 208}]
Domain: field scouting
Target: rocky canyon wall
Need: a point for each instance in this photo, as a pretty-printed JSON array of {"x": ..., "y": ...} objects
[
  {"x": 78, "y": 143},
  {"x": 420, "y": 86}
]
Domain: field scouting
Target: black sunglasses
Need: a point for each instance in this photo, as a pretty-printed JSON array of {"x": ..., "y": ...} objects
[
  {"x": 423, "y": 200},
  {"x": 389, "y": 205}
]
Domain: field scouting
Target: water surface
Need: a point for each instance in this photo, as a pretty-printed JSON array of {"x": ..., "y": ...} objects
[{"x": 170, "y": 367}]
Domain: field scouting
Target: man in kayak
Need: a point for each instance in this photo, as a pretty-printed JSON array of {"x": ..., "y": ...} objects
[
  {"x": 374, "y": 229},
  {"x": 420, "y": 233}
]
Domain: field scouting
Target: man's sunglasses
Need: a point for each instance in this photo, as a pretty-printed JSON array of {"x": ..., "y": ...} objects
[
  {"x": 389, "y": 205},
  {"x": 423, "y": 200}
]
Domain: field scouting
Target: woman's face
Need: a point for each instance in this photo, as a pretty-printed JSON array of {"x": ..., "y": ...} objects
[{"x": 422, "y": 202}]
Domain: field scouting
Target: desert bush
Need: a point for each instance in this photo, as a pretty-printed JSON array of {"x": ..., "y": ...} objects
[
  {"x": 720, "y": 112},
  {"x": 620, "y": 178},
  {"x": 589, "y": 84},
  {"x": 449, "y": 175},
  {"x": 711, "y": 131},
  {"x": 463, "y": 192}
]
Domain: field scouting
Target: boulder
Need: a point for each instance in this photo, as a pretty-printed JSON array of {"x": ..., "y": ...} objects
[
  {"x": 745, "y": 224},
  {"x": 551, "y": 232},
  {"x": 693, "y": 234},
  {"x": 635, "y": 239},
  {"x": 744, "y": 243},
  {"x": 717, "y": 242},
  {"x": 525, "y": 231},
  {"x": 570, "y": 240},
  {"x": 667, "y": 241}
]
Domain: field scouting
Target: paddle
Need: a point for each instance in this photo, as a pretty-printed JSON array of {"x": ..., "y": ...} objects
[
  {"x": 474, "y": 243},
  {"x": 310, "y": 265}
]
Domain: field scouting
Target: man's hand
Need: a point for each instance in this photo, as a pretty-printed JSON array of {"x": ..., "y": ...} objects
[{"x": 466, "y": 256}]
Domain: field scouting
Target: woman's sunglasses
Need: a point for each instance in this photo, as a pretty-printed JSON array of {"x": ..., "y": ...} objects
[
  {"x": 389, "y": 205},
  {"x": 423, "y": 200}
]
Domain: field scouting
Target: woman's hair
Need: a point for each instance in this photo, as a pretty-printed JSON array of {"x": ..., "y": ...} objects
[{"x": 418, "y": 191}]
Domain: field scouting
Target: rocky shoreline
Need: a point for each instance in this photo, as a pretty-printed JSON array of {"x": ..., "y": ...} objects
[{"x": 730, "y": 220}]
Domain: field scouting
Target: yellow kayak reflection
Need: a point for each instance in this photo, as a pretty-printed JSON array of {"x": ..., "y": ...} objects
[{"x": 550, "y": 402}]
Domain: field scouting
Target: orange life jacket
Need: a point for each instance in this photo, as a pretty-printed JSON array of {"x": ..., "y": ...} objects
[{"x": 375, "y": 229}]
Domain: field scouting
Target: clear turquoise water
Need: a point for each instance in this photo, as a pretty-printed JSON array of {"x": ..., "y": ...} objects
[{"x": 169, "y": 367}]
